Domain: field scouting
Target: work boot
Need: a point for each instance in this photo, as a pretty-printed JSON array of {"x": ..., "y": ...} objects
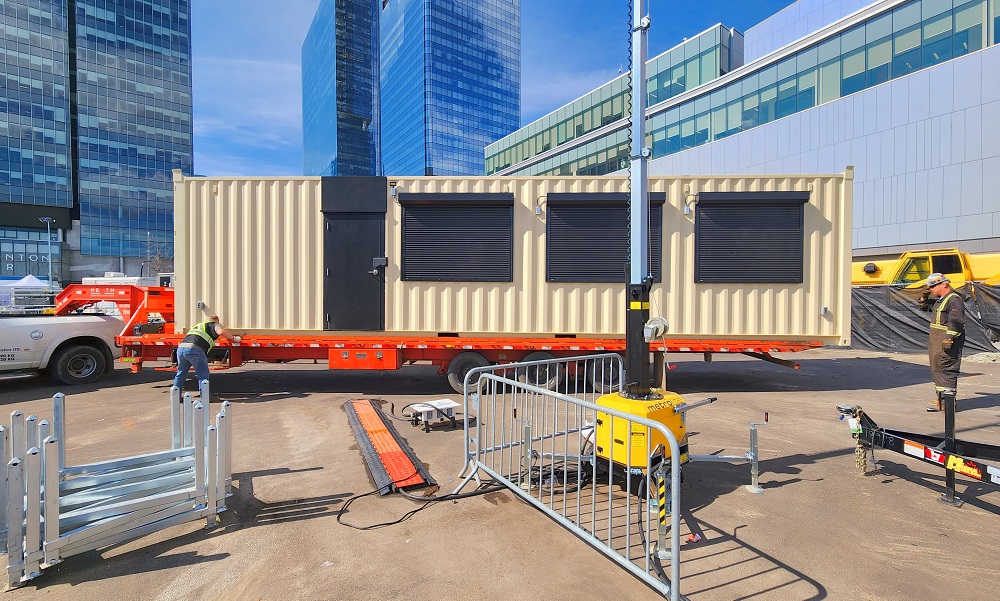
[{"x": 936, "y": 405}]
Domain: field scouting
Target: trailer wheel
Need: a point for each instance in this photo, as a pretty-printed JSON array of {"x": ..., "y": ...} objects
[
  {"x": 77, "y": 365},
  {"x": 544, "y": 376},
  {"x": 604, "y": 377},
  {"x": 461, "y": 365}
]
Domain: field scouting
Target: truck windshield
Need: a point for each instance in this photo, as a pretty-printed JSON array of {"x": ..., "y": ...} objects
[{"x": 915, "y": 269}]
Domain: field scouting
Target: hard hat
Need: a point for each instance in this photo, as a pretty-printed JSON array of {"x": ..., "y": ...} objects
[{"x": 936, "y": 278}]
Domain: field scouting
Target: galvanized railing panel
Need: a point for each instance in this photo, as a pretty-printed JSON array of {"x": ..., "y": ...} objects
[
  {"x": 58, "y": 511},
  {"x": 540, "y": 442}
]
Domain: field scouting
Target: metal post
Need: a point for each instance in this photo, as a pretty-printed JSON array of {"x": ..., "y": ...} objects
[
  {"x": 948, "y": 496},
  {"x": 661, "y": 528},
  {"x": 15, "y": 514},
  {"x": 50, "y": 450},
  {"x": 4, "y": 457},
  {"x": 187, "y": 419},
  {"x": 227, "y": 422},
  {"x": 31, "y": 432},
  {"x": 199, "y": 452},
  {"x": 32, "y": 514},
  {"x": 59, "y": 426},
  {"x": 17, "y": 446},
  {"x": 43, "y": 433},
  {"x": 637, "y": 307},
  {"x": 176, "y": 411},
  {"x": 526, "y": 453},
  {"x": 205, "y": 392},
  {"x": 211, "y": 521}
]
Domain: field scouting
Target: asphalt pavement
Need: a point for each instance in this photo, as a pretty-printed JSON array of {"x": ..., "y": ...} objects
[{"x": 820, "y": 530}]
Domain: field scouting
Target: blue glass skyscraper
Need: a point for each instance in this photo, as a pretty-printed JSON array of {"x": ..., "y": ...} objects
[
  {"x": 95, "y": 113},
  {"x": 340, "y": 102},
  {"x": 450, "y": 82}
]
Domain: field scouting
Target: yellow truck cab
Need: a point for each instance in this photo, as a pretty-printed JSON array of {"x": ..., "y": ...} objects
[{"x": 911, "y": 269}]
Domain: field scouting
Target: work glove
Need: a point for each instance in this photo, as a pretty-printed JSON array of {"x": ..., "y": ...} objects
[
  {"x": 947, "y": 343},
  {"x": 924, "y": 300}
]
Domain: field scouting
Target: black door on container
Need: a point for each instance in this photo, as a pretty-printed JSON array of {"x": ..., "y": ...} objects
[{"x": 354, "y": 264}]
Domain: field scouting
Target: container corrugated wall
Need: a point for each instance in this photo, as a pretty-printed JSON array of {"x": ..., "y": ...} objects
[
  {"x": 250, "y": 249},
  {"x": 531, "y": 306}
]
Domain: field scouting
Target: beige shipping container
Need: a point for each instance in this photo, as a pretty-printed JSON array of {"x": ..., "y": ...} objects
[{"x": 252, "y": 251}]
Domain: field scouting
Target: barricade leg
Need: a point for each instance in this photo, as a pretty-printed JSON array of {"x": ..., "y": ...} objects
[
  {"x": 213, "y": 477},
  {"x": 15, "y": 519},
  {"x": 59, "y": 426},
  {"x": 4, "y": 457},
  {"x": 32, "y": 514},
  {"x": 50, "y": 451},
  {"x": 176, "y": 422},
  {"x": 188, "y": 419}
]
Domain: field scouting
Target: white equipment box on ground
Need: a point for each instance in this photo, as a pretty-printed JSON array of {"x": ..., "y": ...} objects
[{"x": 441, "y": 408}]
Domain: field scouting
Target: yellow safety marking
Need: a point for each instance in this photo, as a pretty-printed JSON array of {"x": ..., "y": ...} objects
[{"x": 638, "y": 305}]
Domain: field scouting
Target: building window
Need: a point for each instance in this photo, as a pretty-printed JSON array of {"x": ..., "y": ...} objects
[
  {"x": 749, "y": 237},
  {"x": 587, "y": 236},
  {"x": 458, "y": 237}
]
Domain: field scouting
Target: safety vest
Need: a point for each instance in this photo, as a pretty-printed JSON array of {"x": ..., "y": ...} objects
[
  {"x": 936, "y": 324},
  {"x": 201, "y": 332}
]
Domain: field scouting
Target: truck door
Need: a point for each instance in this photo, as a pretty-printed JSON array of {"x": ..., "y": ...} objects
[
  {"x": 354, "y": 253},
  {"x": 21, "y": 342}
]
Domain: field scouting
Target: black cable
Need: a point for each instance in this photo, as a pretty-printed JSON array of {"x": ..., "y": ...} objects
[{"x": 427, "y": 501}]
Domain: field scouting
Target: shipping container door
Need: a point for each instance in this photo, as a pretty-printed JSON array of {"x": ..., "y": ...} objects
[{"x": 354, "y": 253}]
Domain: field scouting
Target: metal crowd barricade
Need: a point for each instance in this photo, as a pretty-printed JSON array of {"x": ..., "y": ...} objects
[
  {"x": 540, "y": 443},
  {"x": 107, "y": 502}
]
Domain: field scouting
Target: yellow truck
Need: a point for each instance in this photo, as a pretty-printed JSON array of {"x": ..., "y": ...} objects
[{"x": 911, "y": 269}]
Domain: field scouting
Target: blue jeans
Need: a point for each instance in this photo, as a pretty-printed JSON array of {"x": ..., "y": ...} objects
[{"x": 188, "y": 357}]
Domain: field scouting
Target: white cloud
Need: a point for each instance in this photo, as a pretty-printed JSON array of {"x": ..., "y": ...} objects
[
  {"x": 247, "y": 86},
  {"x": 251, "y": 108}
]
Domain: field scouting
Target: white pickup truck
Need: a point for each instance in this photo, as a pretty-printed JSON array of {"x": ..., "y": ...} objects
[{"x": 75, "y": 349}]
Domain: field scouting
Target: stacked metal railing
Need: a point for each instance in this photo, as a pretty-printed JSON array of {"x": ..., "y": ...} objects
[
  {"x": 539, "y": 442},
  {"x": 107, "y": 502}
]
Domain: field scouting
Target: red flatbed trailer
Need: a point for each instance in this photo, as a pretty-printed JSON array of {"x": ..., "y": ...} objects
[{"x": 144, "y": 339}]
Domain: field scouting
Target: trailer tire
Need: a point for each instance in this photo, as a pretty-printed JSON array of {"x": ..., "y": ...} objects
[
  {"x": 461, "y": 365},
  {"x": 544, "y": 376},
  {"x": 79, "y": 364},
  {"x": 605, "y": 377}
]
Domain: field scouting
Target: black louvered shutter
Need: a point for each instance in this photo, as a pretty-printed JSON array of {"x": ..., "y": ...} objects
[
  {"x": 588, "y": 241},
  {"x": 750, "y": 237},
  {"x": 458, "y": 243}
]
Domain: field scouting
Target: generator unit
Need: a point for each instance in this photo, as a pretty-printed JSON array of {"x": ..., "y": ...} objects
[{"x": 612, "y": 433}]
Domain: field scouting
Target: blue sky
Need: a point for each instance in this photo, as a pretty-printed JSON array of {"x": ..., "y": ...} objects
[{"x": 247, "y": 82}]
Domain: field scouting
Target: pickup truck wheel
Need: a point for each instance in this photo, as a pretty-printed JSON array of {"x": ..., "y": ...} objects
[{"x": 77, "y": 365}]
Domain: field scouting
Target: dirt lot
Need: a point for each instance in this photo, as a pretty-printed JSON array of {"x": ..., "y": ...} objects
[{"x": 820, "y": 531}]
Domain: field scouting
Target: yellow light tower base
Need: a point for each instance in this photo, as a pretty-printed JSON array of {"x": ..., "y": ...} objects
[{"x": 612, "y": 433}]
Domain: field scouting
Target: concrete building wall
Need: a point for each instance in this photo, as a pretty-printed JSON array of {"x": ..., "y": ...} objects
[
  {"x": 797, "y": 21},
  {"x": 926, "y": 148}
]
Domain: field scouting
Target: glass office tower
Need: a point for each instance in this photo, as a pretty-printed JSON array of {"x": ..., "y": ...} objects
[
  {"x": 133, "y": 112},
  {"x": 95, "y": 113},
  {"x": 35, "y": 175},
  {"x": 340, "y": 101},
  {"x": 450, "y": 82}
]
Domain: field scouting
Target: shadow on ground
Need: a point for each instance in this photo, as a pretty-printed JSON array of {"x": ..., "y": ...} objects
[{"x": 244, "y": 510}]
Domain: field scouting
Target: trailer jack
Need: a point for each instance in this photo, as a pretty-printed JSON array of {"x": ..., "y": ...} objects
[{"x": 964, "y": 457}]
